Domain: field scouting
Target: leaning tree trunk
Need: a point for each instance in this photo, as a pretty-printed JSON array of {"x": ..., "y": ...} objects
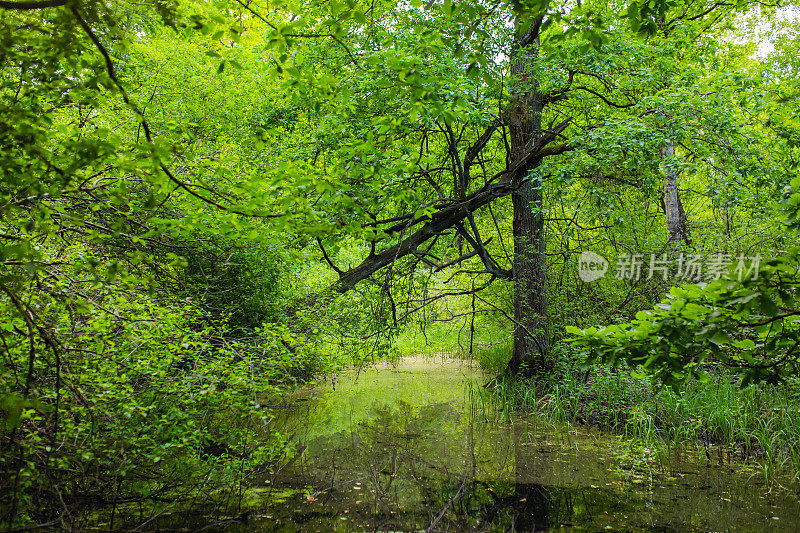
[
  {"x": 673, "y": 208},
  {"x": 531, "y": 345}
]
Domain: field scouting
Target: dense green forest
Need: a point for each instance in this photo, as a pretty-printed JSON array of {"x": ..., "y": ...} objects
[{"x": 206, "y": 204}]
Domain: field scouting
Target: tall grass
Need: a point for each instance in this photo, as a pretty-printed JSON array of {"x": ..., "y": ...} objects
[
  {"x": 490, "y": 347},
  {"x": 717, "y": 420}
]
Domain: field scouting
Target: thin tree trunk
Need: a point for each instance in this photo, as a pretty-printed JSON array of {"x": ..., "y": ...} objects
[{"x": 673, "y": 208}]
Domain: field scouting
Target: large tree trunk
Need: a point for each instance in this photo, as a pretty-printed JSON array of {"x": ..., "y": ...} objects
[
  {"x": 673, "y": 208},
  {"x": 531, "y": 340}
]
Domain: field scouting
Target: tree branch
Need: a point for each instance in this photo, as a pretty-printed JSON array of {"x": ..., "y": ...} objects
[
  {"x": 536, "y": 150},
  {"x": 328, "y": 259},
  {"x": 479, "y": 145},
  {"x": 444, "y": 219},
  {"x": 461, "y": 258},
  {"x": 490, "y": 264},
  {"x": 603, "y": 98},
  {"x": 28, "y": 6}
]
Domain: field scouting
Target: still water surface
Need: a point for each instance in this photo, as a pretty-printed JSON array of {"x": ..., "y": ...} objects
[{"x": 417, "y": 447}]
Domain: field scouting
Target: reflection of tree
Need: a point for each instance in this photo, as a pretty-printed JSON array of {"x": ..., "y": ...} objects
[
  {"x": 426, "y": 469},
  {"x": 528, "y": 508},
  {"x": 457, "y": 498}
]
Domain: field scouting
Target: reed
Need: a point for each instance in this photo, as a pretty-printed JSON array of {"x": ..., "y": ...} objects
[{"x": 717, "y": 419}]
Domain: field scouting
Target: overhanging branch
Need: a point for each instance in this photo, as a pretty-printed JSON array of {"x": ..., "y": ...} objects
[{"x": 442, "y": 220}]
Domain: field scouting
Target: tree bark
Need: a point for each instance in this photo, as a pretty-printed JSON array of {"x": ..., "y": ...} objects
[
  {"x": 531, "y": 340},
  {"x": 673, "y": 207}
]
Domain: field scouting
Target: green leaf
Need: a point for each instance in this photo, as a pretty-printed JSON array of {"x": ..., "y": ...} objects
[
  {"x": 572, "y": 330},
  {"x": 745, "y": 344},
  {"x": 768, "y": 307},
  {"x": 721, "y": 338}
]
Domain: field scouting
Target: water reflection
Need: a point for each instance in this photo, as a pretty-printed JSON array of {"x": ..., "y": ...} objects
[{"x": 408, "y": 450}]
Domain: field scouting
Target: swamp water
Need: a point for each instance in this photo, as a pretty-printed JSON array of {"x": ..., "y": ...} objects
[{"x": 416, "y": 448}]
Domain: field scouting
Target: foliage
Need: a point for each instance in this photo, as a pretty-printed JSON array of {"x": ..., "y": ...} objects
[
  {"x": 116, "y": 390},
  {"x": 203, "y": 203},
  {"x": 238, "y": 286},
  {"x": 143, "y": 410},
  {"x": 751, "y": 324}
]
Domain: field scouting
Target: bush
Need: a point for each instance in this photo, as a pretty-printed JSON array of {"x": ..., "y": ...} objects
[{"x": 236, "y": 285}]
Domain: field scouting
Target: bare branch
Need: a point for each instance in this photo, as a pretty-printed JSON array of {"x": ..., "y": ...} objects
[{"x": 328, "y": 259}]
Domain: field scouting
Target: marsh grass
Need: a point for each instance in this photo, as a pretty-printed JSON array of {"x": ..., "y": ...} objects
[
  {"x": 715, "y": 421},
  {"x": 490, "y": 346}
]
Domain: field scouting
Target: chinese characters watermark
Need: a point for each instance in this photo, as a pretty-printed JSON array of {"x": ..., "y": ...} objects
[{"x": 689, "y": 267}]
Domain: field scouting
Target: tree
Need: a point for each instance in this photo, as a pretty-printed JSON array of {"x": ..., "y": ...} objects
[
  {"x": 748, "y": 320},
  {"x": 554, "y": 76},
  {"x": 673, "y": 207},
  {"x": 439, "y": 92}
]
